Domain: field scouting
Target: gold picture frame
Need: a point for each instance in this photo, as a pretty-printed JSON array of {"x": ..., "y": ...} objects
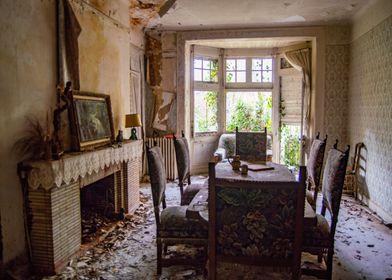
[{"x": 91, "y": 120}]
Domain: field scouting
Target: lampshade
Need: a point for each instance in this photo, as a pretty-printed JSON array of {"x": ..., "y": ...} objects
[{"x": 132, "y": 120}]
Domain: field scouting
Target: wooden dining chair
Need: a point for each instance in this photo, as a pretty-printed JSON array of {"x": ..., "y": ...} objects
[
  {"x": 351, "y": 180},
  {"x": 172, "y": 225},
  {"x": 313, "y": 169},
  {"x": 188, "y": 190},
  {"x": 255, "y": 224},
  {"x": 251, "y": 146},
  {"x": 319, "y": 240}
]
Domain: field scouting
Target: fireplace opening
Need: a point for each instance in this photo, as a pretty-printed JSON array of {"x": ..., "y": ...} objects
[{"x": 97, "y": 203}]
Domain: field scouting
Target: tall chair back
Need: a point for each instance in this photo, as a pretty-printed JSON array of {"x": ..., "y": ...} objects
[
  {"x": 255, "y": 224},
  {"x": 187, "y": 189},
  {"x": 313, "y": 168},
  {"x": 251, "y": 146}
]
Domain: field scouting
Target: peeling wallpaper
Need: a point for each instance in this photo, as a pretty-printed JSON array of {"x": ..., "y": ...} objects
[{"x": 370, "y": 111}]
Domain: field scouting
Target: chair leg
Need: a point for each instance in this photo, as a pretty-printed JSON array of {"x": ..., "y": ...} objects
[
  {"x": 329, "y": 263},
  {"x": 159, "y": 258},
  {"x": 165, "y": 249}
]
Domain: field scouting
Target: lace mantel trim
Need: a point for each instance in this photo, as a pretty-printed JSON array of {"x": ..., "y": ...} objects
[{"x": 48, "y": 174}]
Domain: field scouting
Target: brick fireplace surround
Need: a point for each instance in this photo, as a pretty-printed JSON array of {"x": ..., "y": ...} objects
[{"x": 54, "y": 198}]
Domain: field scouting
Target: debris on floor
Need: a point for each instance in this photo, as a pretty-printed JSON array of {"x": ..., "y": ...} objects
[{"x": 363, "y": 248}]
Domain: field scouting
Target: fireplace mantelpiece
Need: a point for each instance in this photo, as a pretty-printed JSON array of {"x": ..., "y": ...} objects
[{"x": 54, "y": 198}]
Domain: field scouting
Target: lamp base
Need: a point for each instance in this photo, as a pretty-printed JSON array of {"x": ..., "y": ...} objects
[{"x": 133, "y": 134}]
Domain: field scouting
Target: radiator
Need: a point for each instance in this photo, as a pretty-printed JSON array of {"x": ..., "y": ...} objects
[{"x": 168, "y": 154}]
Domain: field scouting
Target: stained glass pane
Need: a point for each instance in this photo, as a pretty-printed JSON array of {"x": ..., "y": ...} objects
[
  {"x": 256, "y": 64},
  {"x": 267, "y": 64},
  {"x": 230, "y": 77},
  {"x": 230, "y": 64},
  {"x": 256, "y": 76},
  {"x": 267, "y": 76}
]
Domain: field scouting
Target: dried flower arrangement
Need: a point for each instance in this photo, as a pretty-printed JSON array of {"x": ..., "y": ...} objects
[{"x": 35, "y": 144}]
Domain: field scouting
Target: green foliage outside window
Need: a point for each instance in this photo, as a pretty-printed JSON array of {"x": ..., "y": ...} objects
[
  {"x": 251, "y": 118},
  {"x": 206, "y": 118},
  {"x": 290, "y": 145}
]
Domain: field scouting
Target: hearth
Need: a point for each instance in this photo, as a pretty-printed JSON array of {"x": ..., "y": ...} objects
[
  {"x": 97, "y": 208},
  {"x": 104, "y": 180}
]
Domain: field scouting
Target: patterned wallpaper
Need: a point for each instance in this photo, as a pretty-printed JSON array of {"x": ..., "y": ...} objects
[
  {"x": 370, "y": 110},
  {"x": 336, "y": 86}
]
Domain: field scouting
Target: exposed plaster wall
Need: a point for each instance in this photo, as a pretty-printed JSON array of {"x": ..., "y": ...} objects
[
  {"x": 28, "y": 75},
  {"x": 104, "y": 53},
  {"x": 336, "y": 85},
  {"x": 370, "y": 103},
  {"x": 161, "y": 78}
]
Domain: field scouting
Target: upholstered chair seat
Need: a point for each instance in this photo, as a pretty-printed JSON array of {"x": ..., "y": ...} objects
[
  {"x": 175, "y": 224},
  {"x": 318, "y": 235}
]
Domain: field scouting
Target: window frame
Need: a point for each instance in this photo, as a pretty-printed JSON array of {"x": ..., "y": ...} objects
[
  {"x": 221, "y": 86},
  {"x": 204, "y": 86},
  {"x": 249, "y": 85}
]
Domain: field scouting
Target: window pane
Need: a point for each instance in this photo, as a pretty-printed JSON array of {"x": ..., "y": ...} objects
[
  {"x": 197, "y": 63},
  {"x": 241, "y": 77},
  {"x": 256, "y": 64},
  {"x": 206, "y": 109},
  {"x": 230, "y": 64},
  {"x": 267, "y": 76},
  {"x": 256, "y": 76},
  {"x": 290, "y": 145},
  {"x": 206, "y": 64},
  {"x": 241, "y": 64},
  {"x": 197, "y": 75},
  {"x": 230, "y": 77},
  {"x": 249, "y": 111},
  {"x": 267, "y": 64},
  {"x": 206, "y": 75}
]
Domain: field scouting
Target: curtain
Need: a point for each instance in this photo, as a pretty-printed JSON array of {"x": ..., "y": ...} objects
[{"x": 301, "y": 60}]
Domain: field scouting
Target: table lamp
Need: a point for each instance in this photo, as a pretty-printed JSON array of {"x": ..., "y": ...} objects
[{"x": 133, "y": 120}]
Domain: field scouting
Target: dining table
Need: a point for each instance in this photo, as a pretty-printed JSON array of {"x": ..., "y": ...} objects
[{"x": 268, "y": 172}]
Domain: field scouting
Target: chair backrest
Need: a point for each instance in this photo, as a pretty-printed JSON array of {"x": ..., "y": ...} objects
[
  {"x": 181, "y": 148},
  {"x": 357, "y": 156},
  {"x": 251, "y": 146},
  {"x": 256, "y": 223},
  {"x": 333, "y": 180},
  {"x": 315, "y": 160},
  {"x": 156, "y": 170}
]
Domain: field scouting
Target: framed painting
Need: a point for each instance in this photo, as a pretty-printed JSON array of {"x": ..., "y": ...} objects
[{"x": 91, "y": 120}]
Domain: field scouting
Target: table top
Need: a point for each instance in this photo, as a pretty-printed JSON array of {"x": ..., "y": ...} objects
[
  {"x": 198, "y": 208},
  {"x": 279, "y": 173}
]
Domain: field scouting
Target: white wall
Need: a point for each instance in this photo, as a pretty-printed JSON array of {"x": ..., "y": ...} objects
[
  {"x": 370, "y": 103},
  {"x": 28, "y": 76}
]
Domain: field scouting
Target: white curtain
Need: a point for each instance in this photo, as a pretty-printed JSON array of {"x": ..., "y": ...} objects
[{"x": 301, "y": 60}]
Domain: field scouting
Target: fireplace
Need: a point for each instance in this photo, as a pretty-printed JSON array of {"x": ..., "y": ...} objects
[
  {"x": 58, "y": 188},
  {"x": 97, "y": 207}
]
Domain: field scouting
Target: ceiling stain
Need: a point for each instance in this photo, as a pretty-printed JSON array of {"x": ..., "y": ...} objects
[{"x": 142, "y": 11}]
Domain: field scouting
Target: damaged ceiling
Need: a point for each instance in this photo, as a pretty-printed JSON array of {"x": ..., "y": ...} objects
[{"x": 207, "y": 14}]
